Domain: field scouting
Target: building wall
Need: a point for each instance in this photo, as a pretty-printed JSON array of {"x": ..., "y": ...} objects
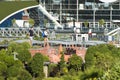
[{"x": 86, "y": 10}]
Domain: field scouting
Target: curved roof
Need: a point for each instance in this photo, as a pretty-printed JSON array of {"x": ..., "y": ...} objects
[{"x": 8, "y": 7}]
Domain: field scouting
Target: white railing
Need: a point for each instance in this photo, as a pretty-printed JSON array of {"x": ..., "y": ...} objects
[{"x": 18, "y": 32}]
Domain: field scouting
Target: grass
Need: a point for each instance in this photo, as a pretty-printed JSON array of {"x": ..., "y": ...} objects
[{"x": 8, "y": 7}]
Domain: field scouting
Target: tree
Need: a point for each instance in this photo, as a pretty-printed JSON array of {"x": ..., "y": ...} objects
[
  {"x": 13, "y": 22},
  {"x": 75, "y": 62},
  {"x": 13, "y": 71},
  {"x": 114, "y": 72},
  {"x": 2, "y": 78},
  {"x": 26, "y": 45},
  {"x": 12, "y": 78},
  {"x": 18, "y": 64},
  {"x": 22, "y": 50},
  {"x": 24, "y": 56},
  {"x": 91, "y": 74},
  {"x": 24, "y": 75},
  {"x": 91, "y": 54},
  {"x": 86, "y": 23},
  {"x": 62, "y": 65},
  {"x": 101, "y": 22},
  {"x": 37, "y": 65},
  {"x": 62, "y": 61},
  {"x": 31, "y": 22},
  {"x": 3, "y": 69},
  {"x": 12, "y": 47},
  {"x": 9, "y": 60},
  {"x": 103, "y": 57}
]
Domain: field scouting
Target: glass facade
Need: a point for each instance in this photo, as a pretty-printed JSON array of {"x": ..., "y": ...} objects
[{"x": 82, "y": 10}]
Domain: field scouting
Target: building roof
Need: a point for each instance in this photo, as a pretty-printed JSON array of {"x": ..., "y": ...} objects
[{"x": 8, "y": 7}]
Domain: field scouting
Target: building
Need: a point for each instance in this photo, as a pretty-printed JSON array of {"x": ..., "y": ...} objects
[
  {"x": 85, "y": 10},
  {"x": 96, "y": 14}
]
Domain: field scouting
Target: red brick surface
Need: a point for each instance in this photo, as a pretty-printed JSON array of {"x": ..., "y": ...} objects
[{"x": 54, "y": 55}]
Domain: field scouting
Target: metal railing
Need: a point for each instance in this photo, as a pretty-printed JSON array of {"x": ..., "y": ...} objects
[{"x": 18, "y": 32}]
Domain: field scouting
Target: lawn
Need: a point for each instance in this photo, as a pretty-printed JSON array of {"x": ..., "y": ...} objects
[{"x": 8, "y": 7}]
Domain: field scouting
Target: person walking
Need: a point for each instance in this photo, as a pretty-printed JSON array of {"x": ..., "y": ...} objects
[
  {"x": 46, "y": 38},
  {"x": 31, "y": 34}
]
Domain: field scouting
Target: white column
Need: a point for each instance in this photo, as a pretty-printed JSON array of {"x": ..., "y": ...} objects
[
  {"x": 94, "y": 18},
  {"x": 111, "y": 15},
  {"x": 77, "y": 9},
  {"x": 45, "y": 69},
  {"x": 60, "y": 13}
]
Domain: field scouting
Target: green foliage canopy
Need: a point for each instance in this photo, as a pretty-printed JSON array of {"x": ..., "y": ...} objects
[{"x": 37, "y": 64}]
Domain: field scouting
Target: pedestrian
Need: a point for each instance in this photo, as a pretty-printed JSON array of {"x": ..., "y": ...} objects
[
  {"x": 31, "y": 34},
  {"x": 46, "y": 37}
]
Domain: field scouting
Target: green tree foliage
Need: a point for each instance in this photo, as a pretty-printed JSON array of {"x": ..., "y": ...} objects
[
  {"x": 13, "y": 71},
  {"x": 12, "y": 78},
  {"x": 16, "y": 47},
  {"x": 12, "y": 47},
  {"x": 18, "y": 64},
  {"x": 5, "y": 41},
  {"x": 114, "y": 72},
  {"x": 3, "y": 69},
  {"x": 22, "y": 50},
  {"x": 2, "y": 78},
  {"x": 3, "y": 51},
  {"x": 62, "y": 64},
  {"x": 92, "y": 55},
  {"x": 24, "y": 75},
  {"x": 102, "y": 57},
  {"x": 72, "y": 72},
  {"x": 101, "y": 22},
  {"x": 91, "y": 74},
  {"x": 62, "y": 61},
  {"x": 31, "y": 22},
  {"x": 86, "y": 23},
  {"x": 37, "y": 64},
  {"x": 115, "y": 51},
  {"x": 24, "y": 56},
  {"x": 9, "y": 60},
  {"x": 69, "y": 77},
  {"x": 25, "y": 45},
  {"x": 75, "y": 62}
]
